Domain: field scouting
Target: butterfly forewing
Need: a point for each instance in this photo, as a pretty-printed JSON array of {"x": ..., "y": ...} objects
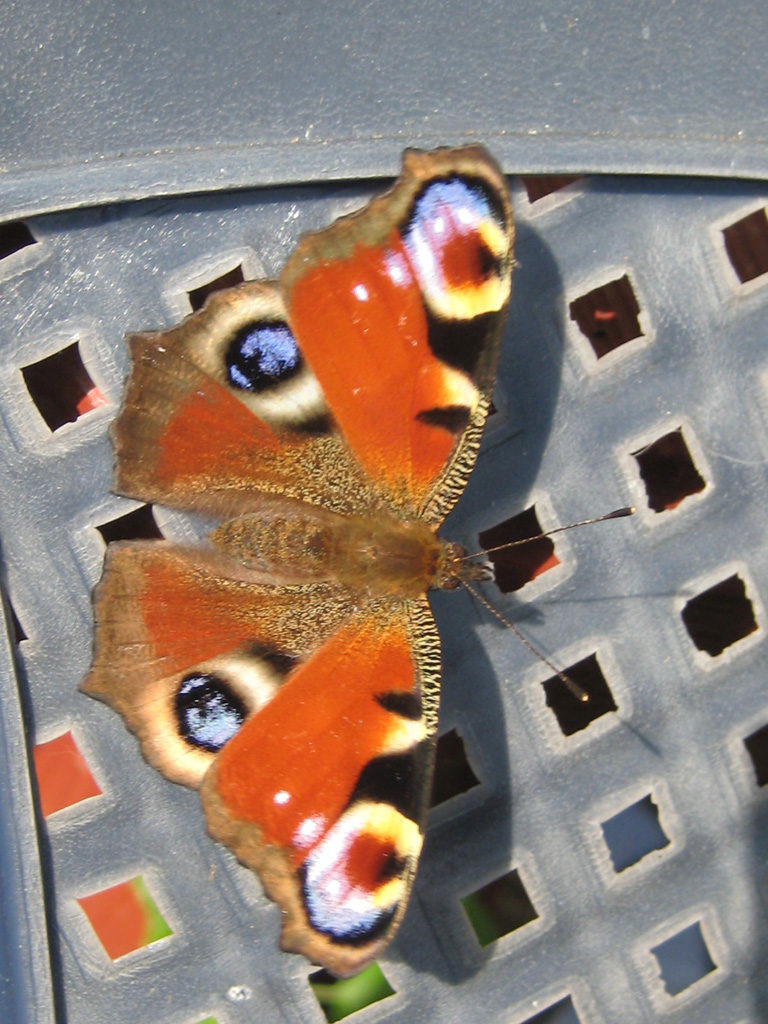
[{"x": 399, "y": 310}]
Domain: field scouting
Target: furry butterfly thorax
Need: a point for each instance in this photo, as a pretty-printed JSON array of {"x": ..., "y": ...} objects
[{"x": 289, "y": 666}]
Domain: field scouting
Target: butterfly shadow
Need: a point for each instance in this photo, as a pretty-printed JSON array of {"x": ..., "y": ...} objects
[
  {"x": 469, "y": 841},
  {"x": 758, "y": 981}
]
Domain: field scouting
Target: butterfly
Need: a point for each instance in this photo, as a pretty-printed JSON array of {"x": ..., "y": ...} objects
[{"x": 288, "y": 667}]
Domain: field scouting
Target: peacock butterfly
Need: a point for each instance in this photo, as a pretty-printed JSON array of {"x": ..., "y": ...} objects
[{"x": 289, "y": 668}]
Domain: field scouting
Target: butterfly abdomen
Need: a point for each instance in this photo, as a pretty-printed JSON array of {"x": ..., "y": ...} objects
[
  {"x": 292, "y": 547},
  {"x": 379, "y": 556}
]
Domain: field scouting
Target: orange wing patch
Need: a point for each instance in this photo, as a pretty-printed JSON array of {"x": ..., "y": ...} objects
[
  {"x": 185, "y": 449},
  {"x": 161, "y": 609},
  {"x": 328, "y": 712},
  {"x": 183, "y": 438},
  {"x": 363, "y": 330}
]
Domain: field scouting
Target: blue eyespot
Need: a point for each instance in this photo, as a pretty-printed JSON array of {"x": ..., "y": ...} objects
[
  {"x": 207, "y": 711},
  {"x": 261, "y": 355},
  {"x": 452, "y": 241},
  {"x": 445, "y": 207}
]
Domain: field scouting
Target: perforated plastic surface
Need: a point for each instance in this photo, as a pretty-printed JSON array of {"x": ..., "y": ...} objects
[{"x": 570, "y": 436}]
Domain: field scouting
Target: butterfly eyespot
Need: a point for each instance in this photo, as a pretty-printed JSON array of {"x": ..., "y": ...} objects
[
  {"x": 186, "y": 718},
  {"x": 357, "y": 904},
  {"x": 354, "y": 880},
  {"x": 261, "y": 355},
  {"x": 457, "y": 243},
  {"x": 207, "y": 711}
]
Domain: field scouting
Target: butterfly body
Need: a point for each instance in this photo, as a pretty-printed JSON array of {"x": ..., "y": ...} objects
[
  {"x": 380, "y": 556},
  {"x": 289, "y": 667}
]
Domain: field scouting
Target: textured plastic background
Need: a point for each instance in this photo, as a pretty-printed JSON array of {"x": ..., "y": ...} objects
[
  {"x": 563, "y": 438},
  {"x": 104, "y": 101},
  {"x": 111, "y": 104}
]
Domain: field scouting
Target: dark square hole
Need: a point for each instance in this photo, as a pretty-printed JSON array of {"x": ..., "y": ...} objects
[
  {"x": 338, "y": 997},
  {"x": 574, "y": 714},
  {"x": 60, "y": 387},
  {"x": 14, "y": 236},
  {"x": 757, "y": 748},
  {"x": 720, "y": 616},
  {"x": 634, "y": 833},
  {"x": 516, "y": 566},
  {"x": 746, "y": 243},
  {"x": 539, "y": 185},
  {"x": 562, "y": 1012},
  {"x": 608, "y": 316},
  {"x": 668, "y": 471},
  {"x": 684, "y": 959},
  {"x": 498, "y": 908},
  {"x": 137, "y": 525},
  {"x": 453, "y": 772},
  {"x": 232, "y": 278}
]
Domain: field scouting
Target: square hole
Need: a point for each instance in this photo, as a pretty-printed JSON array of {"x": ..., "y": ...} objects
[
  {"x": 60, "y": 387},
  {"x": 518, "y": 565},
  {"x": 608, "y": 316},
  {"x": 720, "y": 616},
  {"x": 757, "y": 748},
  {"x": 13, "y": 237},
  {"x": 634, "y": 833},
  {"x": 136, "y": 525},
  {"x": 231, "y": 279},
  {"x": 746, "y": 243},
  {"x": 573, "y": 714},
  {"x": 453, "y": 772},
  {"x": 668, "y": 471},
  {"x": 63, "y": 775},
  {"x": 498, "y": 908},
  {"x": 539, "y": 185},
  {"x": 338, "y": 997},
  {"x": 562, "y": 1012},
  {"x": 125, "y": 917},
  {"x": 684, "y": 959}
]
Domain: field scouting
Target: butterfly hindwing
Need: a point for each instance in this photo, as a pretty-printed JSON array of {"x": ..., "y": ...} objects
[
  {"x": 175, "y": 626},
  {"x": 310, "y": 728},
  {"x": 194, "y": 432},
  {"x": 336, "y": 829}
]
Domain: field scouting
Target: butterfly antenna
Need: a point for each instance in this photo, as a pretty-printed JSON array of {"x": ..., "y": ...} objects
[
  {"x": 618, "y": 513},
  {"x": 578, "y": 691}
]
